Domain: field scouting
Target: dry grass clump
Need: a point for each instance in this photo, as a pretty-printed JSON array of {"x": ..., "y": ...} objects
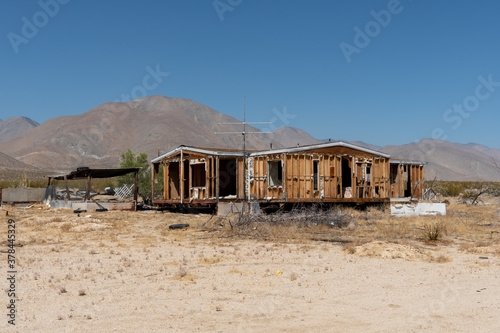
[
  {"x": 433, "y": 231},
  {"x": 441, "y": 259},
  {"x": 350, "y": 247},
  {"x": 351, "y": 226},
  {"x": 208, "y": 260},
  {"x": 490, "y": 247},
  {"x": 298, "y": 224}
]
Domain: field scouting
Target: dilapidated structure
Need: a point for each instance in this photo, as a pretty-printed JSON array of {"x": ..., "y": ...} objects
[
  {"x": 334, "y": 172},
  {"x": 87, "y": 202}
]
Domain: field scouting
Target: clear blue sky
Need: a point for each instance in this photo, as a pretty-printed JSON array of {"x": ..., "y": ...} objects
[{"x": 412, "y": 61}]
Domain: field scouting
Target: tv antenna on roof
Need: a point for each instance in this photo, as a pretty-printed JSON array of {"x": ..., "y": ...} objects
[
  {"x": 244, "y": 123},
  {"x": 244, "y": 133}
]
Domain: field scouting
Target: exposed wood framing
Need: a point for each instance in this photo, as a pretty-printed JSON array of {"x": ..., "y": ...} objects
[{"x": 326, "y": 174}]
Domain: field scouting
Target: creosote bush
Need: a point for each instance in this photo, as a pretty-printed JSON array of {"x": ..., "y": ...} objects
[{"x": 433, "y": 232}]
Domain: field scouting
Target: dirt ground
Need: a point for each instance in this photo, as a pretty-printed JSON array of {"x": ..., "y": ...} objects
[{"x": 128, "y": 272}]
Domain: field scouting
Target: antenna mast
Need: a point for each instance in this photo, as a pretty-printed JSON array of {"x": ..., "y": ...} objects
[{"x": 244, "y": 133}]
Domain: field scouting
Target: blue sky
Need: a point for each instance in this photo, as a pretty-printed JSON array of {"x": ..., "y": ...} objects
[{"x": 384, "y": 72}]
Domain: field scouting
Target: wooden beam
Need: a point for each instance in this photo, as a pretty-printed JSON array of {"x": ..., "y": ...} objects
[
  {"x": 136, "y": 188},
  {"x": 190, "y": 181},
  {"x": 166, "y": 181},
  {"x": 217, "y": 181},
  {"x": 181, "y": 178},
  {"x": 207, "y": 177}
]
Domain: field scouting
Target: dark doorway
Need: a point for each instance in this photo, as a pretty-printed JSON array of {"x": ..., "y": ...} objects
[
  {"x": 227, "y": 177},
  {"x": 408, "y": 181},
  {"x": 346, "y": 173},
  {"x": 173, "y": 181},
  {"x": 393, "y": 174},
  {"x": 315, "y": 175},
  {"x": 199, "y": 175}
]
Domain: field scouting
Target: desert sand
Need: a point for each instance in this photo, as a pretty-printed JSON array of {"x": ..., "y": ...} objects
[{"x": 127, "y": 272}]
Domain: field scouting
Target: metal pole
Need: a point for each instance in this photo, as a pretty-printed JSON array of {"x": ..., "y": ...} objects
[{"x": 244, "y": 155}]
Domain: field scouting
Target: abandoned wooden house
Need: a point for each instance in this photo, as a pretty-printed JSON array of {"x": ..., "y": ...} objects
[{"x": 334, "y": 172}]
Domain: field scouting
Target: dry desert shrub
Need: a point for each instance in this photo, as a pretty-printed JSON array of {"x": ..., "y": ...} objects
[
  {"x": 208, "y": 260},
  {"x": 294, "y": 225},
  {"x": 441, "y": 259},
  {"x": 433, "y": 232}
]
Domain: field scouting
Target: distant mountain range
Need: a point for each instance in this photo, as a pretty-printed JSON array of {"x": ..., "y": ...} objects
[
  {"x": 451, "y": 161},
  {"x": 98, "y": 137},
  {"x": 158, "y": 124},
  {"x": 15, "y": 127}
]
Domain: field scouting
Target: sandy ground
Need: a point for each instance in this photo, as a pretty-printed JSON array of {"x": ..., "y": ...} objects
[{"x": 127, "y": 272}]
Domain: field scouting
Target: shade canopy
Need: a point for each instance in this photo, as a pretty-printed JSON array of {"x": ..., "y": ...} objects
[{"x": 83, "y": 173}]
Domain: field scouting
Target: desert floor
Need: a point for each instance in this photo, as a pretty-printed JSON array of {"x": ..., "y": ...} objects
[{"x": 127, "y": 272}]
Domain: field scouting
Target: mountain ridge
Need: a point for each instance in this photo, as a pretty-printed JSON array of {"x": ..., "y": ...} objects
[
  {"x": 97, "y": 137},
  {"x": 14, "y": 127}
]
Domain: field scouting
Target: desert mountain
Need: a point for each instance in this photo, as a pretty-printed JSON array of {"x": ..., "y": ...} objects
[
  {"x": 291, "y": 137},
  {"x": 11, "y": 163},
  {"x": 12, "y": 169},
  {"x": 495, "y": 153},
  {"x": 15, "y": 127},
  {"x": 449, "y": 161},
  {"x": 98, "y": 137}
]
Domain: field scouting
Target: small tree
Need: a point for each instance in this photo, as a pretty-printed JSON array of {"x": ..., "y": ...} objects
[{"x": 130, "y": 160}]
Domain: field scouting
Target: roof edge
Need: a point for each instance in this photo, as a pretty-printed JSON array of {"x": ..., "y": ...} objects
[{"x": 322, "y": 145}]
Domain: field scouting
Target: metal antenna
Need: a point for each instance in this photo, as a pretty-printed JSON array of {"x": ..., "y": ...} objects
[{"x": 244, "y": 133}]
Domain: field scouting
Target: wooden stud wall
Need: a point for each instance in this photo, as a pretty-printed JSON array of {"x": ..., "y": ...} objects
[
  {"x": 416, "y": 184},
  {"x": 297, "y": 177}
]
